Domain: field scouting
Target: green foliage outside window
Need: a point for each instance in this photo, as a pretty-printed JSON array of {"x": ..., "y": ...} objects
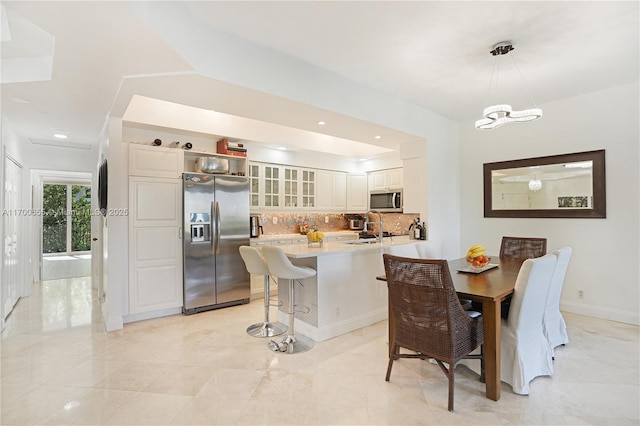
[
  {"x": 54, "y": 220},
  {"x": 81, "y": 219},
  {"x": 56, "y": 217}
]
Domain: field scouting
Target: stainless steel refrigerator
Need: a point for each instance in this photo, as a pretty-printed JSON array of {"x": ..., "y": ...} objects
[{"x": 216, "y": 224}]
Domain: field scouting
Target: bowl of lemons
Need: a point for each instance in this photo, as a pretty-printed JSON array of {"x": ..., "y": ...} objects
[{"x": 315, "y": 238}]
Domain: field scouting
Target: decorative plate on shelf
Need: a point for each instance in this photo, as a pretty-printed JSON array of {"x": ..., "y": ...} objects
[{"x": 476, "y": 270}]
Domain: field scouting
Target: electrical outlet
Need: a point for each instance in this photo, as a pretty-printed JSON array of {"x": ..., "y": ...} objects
[
  {"x": 275, "y": 220},
  {"x": 326, "y": 219},
  {"x": 580, "y": 294},
  {"x": 337, "y": 310}
]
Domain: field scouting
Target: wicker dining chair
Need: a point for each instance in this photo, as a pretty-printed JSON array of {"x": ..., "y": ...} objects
[
  {"x": 523, "y": 247},
  {"x": 519, "y": 248},
  {"x": 427, "y": 316}
]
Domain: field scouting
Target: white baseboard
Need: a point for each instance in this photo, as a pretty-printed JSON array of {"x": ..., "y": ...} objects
[
  {"x": 600, "y": 312},
  {"x": 113, "y": 324},
  {"x": 150, "y": 315}
]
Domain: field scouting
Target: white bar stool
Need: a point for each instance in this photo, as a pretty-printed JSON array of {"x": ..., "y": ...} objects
[
  {"x": 256, "y": 264},
  {"x": 281, "y": 267}
]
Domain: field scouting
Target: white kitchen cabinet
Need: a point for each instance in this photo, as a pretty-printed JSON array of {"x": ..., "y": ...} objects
[
  {"x": 291, "y": 177},
  {"x": 266, "y": 183},
  {"x": 357, "y": 194},
  {"x": 332, "y": 190},
  {"x": 155, "y": 161},
  {"x": 385, "y": 179},
  {"x": 255, "y": 174},
  {"x": 155, "y": 247},
  {"x": 309, "y": 186},
  {"x": 271, "y": 186}
]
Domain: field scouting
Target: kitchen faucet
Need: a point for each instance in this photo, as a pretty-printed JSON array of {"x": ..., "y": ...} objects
[{"x": 366, "y": 223}]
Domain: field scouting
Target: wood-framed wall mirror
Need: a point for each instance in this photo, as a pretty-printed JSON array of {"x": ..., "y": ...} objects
[{"x": 557, "y": 186}]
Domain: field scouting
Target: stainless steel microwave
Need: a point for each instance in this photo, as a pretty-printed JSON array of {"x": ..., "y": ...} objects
[{"x": 386, "y": 201}]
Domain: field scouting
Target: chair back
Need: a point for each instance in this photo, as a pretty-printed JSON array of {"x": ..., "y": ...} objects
[
  {"x": 280, "y": 265},
  {"x": 402, "y": 250},
  {"x": 428, "y": 250},
  {"x": 254, "y": 261},
  {"x": 557, "y": 282},
  {"x": 523, "y": 247},
  {"x": 530, "y": 295},
  {"x": 555, "y": 329},
  {"x": 425, "y": 307}
]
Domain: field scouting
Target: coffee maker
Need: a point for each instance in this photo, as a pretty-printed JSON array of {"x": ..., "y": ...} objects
[{"x": 255, "y": 229}]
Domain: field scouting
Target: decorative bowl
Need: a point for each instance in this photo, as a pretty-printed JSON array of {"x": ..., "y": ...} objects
[{"x": 478, "y": 262}]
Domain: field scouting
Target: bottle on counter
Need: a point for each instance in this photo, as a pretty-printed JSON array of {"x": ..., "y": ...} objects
[
  {"x": 423, "y": 231},
  {"x": 417, "y": 231}
]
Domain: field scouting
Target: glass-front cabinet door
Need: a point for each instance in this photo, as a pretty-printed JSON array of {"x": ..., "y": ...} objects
[
  {"x": 308, "y": 188},
  {"x": 254, "y": 181},
  {"x": 291, "y": 183},
  {"x": 271, "y": 186}
]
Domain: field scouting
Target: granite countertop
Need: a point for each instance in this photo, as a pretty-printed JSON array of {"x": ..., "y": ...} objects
[{"x": 343, "y": 247}]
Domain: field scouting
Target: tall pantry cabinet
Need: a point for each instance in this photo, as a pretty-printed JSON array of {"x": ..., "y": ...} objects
[{"x": 155, "y": 220}]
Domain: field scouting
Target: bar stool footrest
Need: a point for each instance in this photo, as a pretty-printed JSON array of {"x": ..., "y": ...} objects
[
  {"x": 266, "y": 329},
  {"x": 301, "y": 309},
  {"x": 292, "y": 344}
]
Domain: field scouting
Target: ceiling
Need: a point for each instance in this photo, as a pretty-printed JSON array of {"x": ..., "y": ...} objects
[{"x": 67, "y": 65}]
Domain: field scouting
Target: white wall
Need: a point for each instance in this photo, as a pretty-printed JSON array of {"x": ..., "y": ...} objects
[
  {"x": 37, "y": 157},
  {"x": 605, "y": 263}
]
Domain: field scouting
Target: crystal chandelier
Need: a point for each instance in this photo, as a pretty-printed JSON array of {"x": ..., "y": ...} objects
[{"x": 497, "y": 115}]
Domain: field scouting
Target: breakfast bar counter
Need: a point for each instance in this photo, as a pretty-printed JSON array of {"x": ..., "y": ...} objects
[{"x": 343, "y": 296}]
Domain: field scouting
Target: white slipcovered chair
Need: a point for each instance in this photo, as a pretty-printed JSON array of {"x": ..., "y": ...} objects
[
  {"x": 402, "y": 250},
  {"x": 524, "y": 351},
  {"x": 554, "y": 326},
  {"x": 428, "y": 250}
]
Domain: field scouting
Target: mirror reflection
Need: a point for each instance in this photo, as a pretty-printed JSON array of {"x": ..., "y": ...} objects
[
  {"x": 566, "y": 185},
  {"x": 553, "y": 186}
]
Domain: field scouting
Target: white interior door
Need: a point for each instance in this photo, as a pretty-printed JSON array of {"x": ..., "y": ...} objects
[{"x": 11, "y": 268}]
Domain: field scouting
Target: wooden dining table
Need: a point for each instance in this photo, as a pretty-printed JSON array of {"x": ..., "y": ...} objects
[{"x": 490, "y": 288}]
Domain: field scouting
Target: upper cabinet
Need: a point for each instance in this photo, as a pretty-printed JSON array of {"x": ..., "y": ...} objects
[
  {"x": 332, "y": 190},
  {"x": 357, "y": 194},
  {"x": 155, "y": 161},
  {"x": 385, "y": 179},
  {"x": 308, "y": 188},
  {"x": 266, "y": 184}
]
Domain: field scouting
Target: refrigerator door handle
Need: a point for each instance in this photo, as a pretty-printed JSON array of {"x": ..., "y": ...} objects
[
  {"x": 218, "y": 225},
  {"x": 214, "y": 228}
]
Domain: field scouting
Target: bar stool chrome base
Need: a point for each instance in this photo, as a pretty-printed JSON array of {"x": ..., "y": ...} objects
[
  {"x": 266, "y": 329},
  {"x": 292, "y": 344}
]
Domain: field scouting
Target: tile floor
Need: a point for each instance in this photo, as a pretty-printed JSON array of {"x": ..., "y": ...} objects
[{"x": 60, "y": 367}]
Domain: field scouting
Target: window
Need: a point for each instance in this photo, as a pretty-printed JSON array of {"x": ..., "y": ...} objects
[{"x": 66, "y": 222}]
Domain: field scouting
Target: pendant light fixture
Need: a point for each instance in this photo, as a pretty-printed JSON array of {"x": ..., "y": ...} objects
[
  {"x": 535, "y": 184},
  {"x": 497, "y": 115}
]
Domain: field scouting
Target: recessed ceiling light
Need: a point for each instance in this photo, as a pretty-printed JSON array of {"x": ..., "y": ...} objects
[
  {"x": 59, "y": 136},
  {"x": 282, "y": 148},
  {"x": 363, "y": 159},
  {"x": 321, "y": 123},
  {"x": 377, "y": 137}
]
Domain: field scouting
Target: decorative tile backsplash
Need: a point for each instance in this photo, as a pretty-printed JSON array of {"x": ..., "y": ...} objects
[{"x": 289, "y": 223}]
